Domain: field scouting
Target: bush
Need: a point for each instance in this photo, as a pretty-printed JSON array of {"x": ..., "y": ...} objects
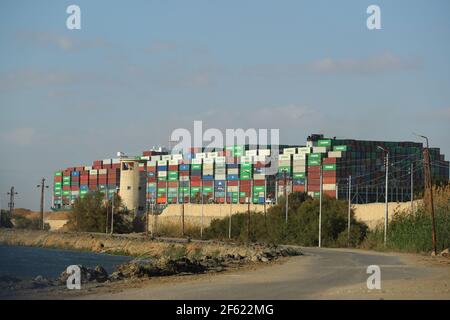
[
  {"x": 411, "y": 232},
  {"x": 302, "y": 226},
  {"x": 5, "y": 219},
  {"x": 93, "y": 214},
  {"x": 21, "y": 222}
]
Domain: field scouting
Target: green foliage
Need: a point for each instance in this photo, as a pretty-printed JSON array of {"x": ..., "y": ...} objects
[
  {"x": 93, "y": 214},
  {"x": 5, "y": 220},
  {"x": 301, "y": 228},
  {"x": 21, "y": 222},
  {"x": 175, "y": 251},
  {"x": 412, "y": 231}
]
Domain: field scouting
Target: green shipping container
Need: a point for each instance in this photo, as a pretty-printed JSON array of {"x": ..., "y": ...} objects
[
  {"x": 324, "y": 143},
  {"x": 196, "y": 166},
  {"x": 258, "y": 189},
  {"x": 58, "y": 173},
  {"x": 313, "y": 162},
  {"x": 284, "y": 169},
  {"x": 207, "y": 189},
  {"x": 329, "y": 167},
  {"x": 315, "y": 156},
  {"x": 299, "y": 175},
  {"x": 340, "y": 148}
]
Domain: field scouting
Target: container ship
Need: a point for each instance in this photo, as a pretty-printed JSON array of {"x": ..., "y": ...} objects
[{"x": 242, "y": 174}]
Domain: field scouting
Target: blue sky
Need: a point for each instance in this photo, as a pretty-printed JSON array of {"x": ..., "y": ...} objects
[{"x": 139, "y": 69}]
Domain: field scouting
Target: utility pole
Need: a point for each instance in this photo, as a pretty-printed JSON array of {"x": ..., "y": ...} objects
[
  {"x": 11, "y": 194},
  {"x": 429, "y": 187},
  {"x": 107, "y": 207},
  {"x": 182, "y": 217},
  {"x": 231, "y": 204},
  {"x": 112, "y": 212},
  {"x": 349, "y": 208},
  {"x": 320, "y": 207},
  {"x": 386, "y": 214},
  {"x": 412, "y": 187},
  {"x": 201, "y": 218},
  {"x": 248, "y": 219},
  {"x": 42, "y": 186},
  {"x": 286, "y": 196}
]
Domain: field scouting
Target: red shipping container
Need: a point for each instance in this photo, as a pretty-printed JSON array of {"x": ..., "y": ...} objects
[
  {"x": 195, "y": 178},
  {"x": 172, "y": 184},
  {"x": 183, "y": 173},
  {"x": 151, "y": 179},
  {"x": 208, "y": 183},
  {"x": 299, "y": 189},
  {"x": 220, "y": 200},
  {"x": 329, "y": 180},
  {"x": 57, "y": 178},
  {"x": 173, "y": 167},
  {"x": 115, "y": 166},
  {"x": 313, "y": 168},
  {"x": 97, "y": 163},
  {"x": 161, "y": 184},
  {"x": 232, "y": 183},
  {"x": 161, "y": 200},
  {"x": 258, "y": 182},
  {"x": 329, "y": 161},
  {"x": 196, "y": 183},
  {"x": 75, "y": 188}
]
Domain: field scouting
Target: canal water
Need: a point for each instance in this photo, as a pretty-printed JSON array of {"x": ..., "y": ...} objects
[{"x": 29, "y": 262}]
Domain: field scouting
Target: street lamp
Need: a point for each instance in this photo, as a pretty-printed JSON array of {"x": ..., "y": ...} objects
[{"x": 386, "y": 214}]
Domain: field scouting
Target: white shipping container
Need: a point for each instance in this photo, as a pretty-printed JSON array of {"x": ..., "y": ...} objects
[
  {"x": 220, "y": 170},
  {"x": 177, "y": 157},
  {"x": 208, "y": 161},
  {"x": 196, "y": 161},
  {"x": 299, "y": 169},
  {"x": 319, "y": 149},
  {"x": 145, "y": 157},
  {"x": 102, "y": 171},
  {"x": 151, "y": 163},
  {"x": 184, "y": 178},
  {"x": 233, "y": 189},
  {"x": 162, "y": 163},
  {"x": 259, "y": 176},
  {"x": 220, "y": 160},
  {"x": 173, "y": 162},
  {"x": 115, "y": 161},
  {"x": 264, "y": 152},
  {"x": 106, "y": 161},
  {"x": 284, "y": 157},
  {"x": 299, "y": 163},
  {"x": 162, "y": 173},
  {"x": 212, "y": 155},
  {"x": 166, "y": 157},
  {"x": 329, "y": 187},
  {"x": 220, "y": 177},
  {"x": 284, "y": 163},
  {"x": 87, "y": 168},
  {"x": 155, "y": 158},
  {"x": 309, "y": 144},
  {"x": 334, "y": 154},
  {"x": 233, "y": 171},
  {"x": 289, "y": 151},
  {"x": 200, "y": 155},
  {"x": 300, "y": 156},
  {"x": 252, "y": 153},
  {"x": 93, "y": 172}
]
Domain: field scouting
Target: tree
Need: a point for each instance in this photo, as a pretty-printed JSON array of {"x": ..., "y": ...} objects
[
  {"x": 5, "y": 219},
  {"x": 89, "y": 214}
]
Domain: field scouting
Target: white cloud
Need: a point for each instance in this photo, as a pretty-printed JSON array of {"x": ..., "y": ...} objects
[
  {"x": 375, "y": 64},
  {"x": 60, "y": 41},
  {"x": 19, "y": 136}
]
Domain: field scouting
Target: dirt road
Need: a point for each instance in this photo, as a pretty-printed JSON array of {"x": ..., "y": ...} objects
[{"x": 320, "y": 274}]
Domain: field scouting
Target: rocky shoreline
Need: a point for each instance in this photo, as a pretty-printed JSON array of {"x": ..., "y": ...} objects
[{"x": 155, "y": 259}]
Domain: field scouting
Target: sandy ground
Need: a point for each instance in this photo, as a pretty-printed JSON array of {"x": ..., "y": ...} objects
[{"x": 321, "y": 274}]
